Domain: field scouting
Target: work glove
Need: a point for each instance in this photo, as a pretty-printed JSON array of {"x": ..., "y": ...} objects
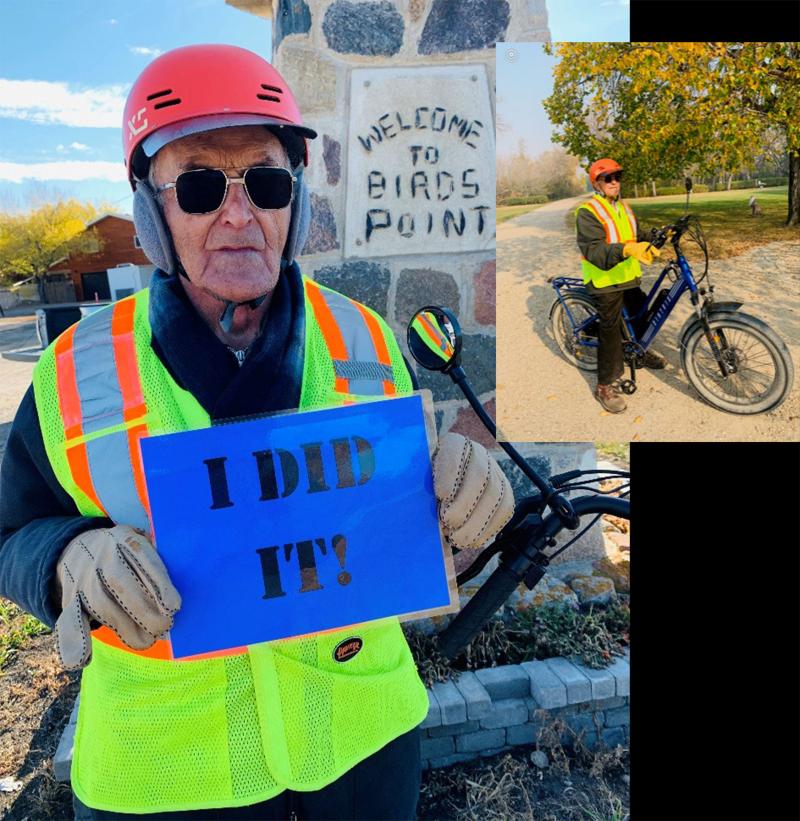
[
  {"x": 643, "y": 251},
  {"x": 114, "y": 576},
  {"x": 475, "y": 497}
]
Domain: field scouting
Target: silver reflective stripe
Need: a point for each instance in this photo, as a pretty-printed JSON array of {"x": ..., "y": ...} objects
[
  {"x": 96, "y": 373},
  {"x": 362, "y": 370},
  {"x": 112, "y": 474},
  {"x": 368, "y": 373}
]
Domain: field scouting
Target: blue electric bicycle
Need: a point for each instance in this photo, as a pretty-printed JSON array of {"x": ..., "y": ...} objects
[{"x": 735, "y": 361}]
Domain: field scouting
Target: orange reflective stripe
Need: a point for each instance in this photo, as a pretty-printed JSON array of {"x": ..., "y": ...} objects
[
  {"x": 603, "y": 219},
  {"x": 162, "y": 649},
  {"x": 79, "y": 468},
  {"x": 608, "y": 214},
  {"x": 631, "y": 220},
  {"x": 68, "y": 397},
  {"x": 330, "y": 331},
  {"x": 381, "y": 351},
  {"x": 435, "y": 336},
  {"x": 125, "y": 358}
]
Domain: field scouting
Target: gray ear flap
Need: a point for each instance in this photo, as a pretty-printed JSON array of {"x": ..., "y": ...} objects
[
  {"x": 154, "y": 236},
  {"x": 300, "y": 221}
]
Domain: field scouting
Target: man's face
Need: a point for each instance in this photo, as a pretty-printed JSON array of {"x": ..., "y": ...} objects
[
  {"x": 234, "y": 252},
  {"x": 609, "y": 189}
]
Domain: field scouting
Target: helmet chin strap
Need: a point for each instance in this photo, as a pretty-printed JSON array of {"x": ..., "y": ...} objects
[{"x": 226, "y": 317}]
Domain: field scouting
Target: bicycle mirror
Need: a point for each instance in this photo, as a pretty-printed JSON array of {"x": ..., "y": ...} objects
[
  {"x": 434, "y": 338},
  {"x": 688, "y": 184}
]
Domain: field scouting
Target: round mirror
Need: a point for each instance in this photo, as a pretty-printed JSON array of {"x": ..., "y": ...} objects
[
  {"x": 434, "y": 338},
  {"x": 688, "y": 183}
]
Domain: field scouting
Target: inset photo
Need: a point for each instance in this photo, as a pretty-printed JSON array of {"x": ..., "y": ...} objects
[{"x": 648, "y": 241}]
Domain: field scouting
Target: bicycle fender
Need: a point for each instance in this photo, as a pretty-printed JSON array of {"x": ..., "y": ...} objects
[
  {"x": 580, "y": 291},
  {"x": 716, "y": 308}
]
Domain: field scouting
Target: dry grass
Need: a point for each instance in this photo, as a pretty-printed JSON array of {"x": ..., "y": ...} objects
[{"x": 578, "y": 784}]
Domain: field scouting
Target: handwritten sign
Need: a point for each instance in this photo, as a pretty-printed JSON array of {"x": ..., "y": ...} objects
[
  {"x": 421, "y": 161},
  {"x": 296, "y": 523}
]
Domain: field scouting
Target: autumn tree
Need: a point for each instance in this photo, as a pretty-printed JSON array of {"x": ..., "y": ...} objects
[
  {"x": 663, "y": 108},
  {"x": 30, "y": 243}
]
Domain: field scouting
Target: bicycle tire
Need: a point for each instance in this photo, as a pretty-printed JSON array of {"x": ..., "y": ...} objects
[
  {"x": 701, "y": 368},
  {"x": 580, "y": 304},
  {"x": 504, "y": 580}
]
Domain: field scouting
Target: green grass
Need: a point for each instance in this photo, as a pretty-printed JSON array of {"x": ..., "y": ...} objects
[
  {"x": 621, "y": 451},
  {"x": 507, "y": 212},
  {"x": 16, "y": 629}
]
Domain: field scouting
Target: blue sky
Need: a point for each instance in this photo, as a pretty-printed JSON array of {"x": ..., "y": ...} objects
[
  {"x": 65, "y": 69},
  {"x": 524, "y": 79},
  {"x": 585, "y": 20}
]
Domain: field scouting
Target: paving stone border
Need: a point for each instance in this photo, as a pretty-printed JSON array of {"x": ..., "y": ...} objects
[{"x": 492, "y": 710}]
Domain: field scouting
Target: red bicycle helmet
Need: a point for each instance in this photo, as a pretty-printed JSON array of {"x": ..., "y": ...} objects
[
  {"x": 199, "y": 88},
  {"x": 603, "y": 166}
]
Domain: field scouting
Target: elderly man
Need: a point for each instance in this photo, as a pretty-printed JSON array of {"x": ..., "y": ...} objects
[
  {"x": 613, "y": 246},
  {"x": 215, "y": 150}
]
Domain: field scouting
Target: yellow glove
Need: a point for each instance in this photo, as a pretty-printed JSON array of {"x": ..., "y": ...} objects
[{"x": 643, "y": 251}]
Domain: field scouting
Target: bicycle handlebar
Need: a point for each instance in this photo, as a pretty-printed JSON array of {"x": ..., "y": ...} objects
[{"x": 510, "y": 572}]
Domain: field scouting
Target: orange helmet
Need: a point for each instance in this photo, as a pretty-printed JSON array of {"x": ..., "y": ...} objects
[{"x": 603, "y": 166}]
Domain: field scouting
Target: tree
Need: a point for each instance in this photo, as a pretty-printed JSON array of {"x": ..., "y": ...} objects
[
  {"x": 660, "y": 108},
  {"x": 30, "y": 243}
]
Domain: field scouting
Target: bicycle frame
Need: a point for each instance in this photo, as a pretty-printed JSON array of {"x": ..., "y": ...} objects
[{"x": 685, "y": 282}]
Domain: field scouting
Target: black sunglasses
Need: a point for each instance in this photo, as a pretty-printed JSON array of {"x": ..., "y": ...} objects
[
  {"x": 204, "y": 190},
  {"x": 614, "y": 176}
]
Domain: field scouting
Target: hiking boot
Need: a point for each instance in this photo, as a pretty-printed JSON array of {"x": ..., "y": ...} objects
[
  {"x": 654, "y": 361},
  {"x": 610, "y": 398}
]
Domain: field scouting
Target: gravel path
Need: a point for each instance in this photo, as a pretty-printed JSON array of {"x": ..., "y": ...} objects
[
  {"x": 542, "y": 398},
  {"x": 15, "y": 332}
]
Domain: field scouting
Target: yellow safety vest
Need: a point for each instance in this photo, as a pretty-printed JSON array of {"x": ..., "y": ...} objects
[
  {"x": 620, "y": 226},
  {"x": 238, "y": 727}
]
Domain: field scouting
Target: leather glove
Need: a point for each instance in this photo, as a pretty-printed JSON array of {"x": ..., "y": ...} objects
[
  {"x": 643, "y": 251},
  {"x": 475, "y": 497},
  {"x": 115, "y": 577}
]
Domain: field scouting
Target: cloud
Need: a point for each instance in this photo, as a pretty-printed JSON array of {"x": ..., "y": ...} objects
[
  {"x": 147, "y": 52},
  {"x": 79, "y": 146},
  {"x": 66, "y": 170},
  {"x": 113, "y": 22},
  {"x": 53, "y": 103}
]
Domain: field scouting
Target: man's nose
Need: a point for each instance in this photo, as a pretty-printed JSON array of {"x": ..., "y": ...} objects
[{"x": 237, "y": 208}]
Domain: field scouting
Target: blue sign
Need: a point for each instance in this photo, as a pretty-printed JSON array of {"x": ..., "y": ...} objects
[{"x": 296, "y": 523}]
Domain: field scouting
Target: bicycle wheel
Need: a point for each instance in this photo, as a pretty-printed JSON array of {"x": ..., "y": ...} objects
[
  {"x": 569, "y": 342},
  {"x": 763, "y": 368}
]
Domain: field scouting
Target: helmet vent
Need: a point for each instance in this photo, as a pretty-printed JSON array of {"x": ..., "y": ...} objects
[
  {"x": 268, "y": 97},
  {"x": 272, "y": 88},
  {"x": 167, "y": 103},
  {"x": 159, "y": 94}
]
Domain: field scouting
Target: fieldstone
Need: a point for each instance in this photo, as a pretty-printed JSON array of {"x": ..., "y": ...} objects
[
  {"x": 464, "y": 25},
  {"x": 305, "y": 68},
  {"x": 332, "y": 154},
  {"x": 363, "y": 28},
  {"x": 322, "y": 231},
  {"x": 539, "y": 759},
  {"x": 364, "y": 281},
  {"x": 569, "y": 570},
  {"x": 418, "y": 287},
  {"x": 290, "y": 17},
  {"x": 468, "y": 424},
  {"x": 520, "y": 483},
  {"x": 618, "y": 572},
  {"x": 485, "y": 294},
  {"x": 593, "y": 589},
  {"x": 548, "y": 592},
  {"x": 478, "y": 359}
]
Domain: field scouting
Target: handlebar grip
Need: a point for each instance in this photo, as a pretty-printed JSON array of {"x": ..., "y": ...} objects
[{"x": 489, "y": 598}]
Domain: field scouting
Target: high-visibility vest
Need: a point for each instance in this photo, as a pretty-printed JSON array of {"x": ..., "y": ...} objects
[
  {"x": 434, "y": 337},
  {"x": 231, "y": 728},
  {"x": 620, "y": 226}
]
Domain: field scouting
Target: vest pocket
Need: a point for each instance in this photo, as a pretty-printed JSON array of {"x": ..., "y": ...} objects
[{"x": 319, "y": 716}]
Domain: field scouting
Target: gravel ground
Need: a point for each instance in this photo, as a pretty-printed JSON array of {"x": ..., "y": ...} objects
[{"x": 541, "y": 397}]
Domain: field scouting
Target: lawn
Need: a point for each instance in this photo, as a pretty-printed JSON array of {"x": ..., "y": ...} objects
[
  {"x": 728, "y": 226},
  {"x": 507, "y": 212}
]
